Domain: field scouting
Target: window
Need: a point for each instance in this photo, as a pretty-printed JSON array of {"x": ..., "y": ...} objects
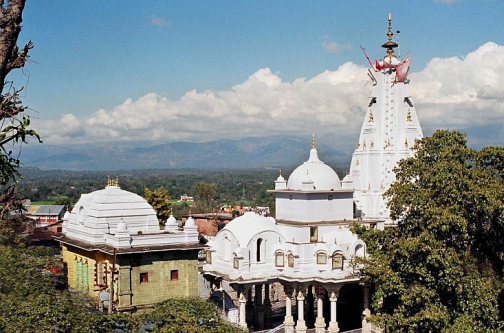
[
  {"x": 290, "y": 260},
  {"x": 174, "y": 275},
  {"x": 279, "y": 259},
  {"x": 208, "y": 257},
  {"x": 359, "y": 250},
  {"x": 321, "y": 258},
  {"x": 236, "y": 262},
  {"x": 329, "y": 197},
  {"x": 313, "y": 234},
  {"x": 258, "y": 250},
  {"x": 337, "y": 261},
  {"x": 144, "y": 277}
]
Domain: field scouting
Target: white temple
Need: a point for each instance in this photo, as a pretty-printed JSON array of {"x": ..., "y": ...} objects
[
  {"x": 388, "y": 133},
  {"x": 309, "y": 248}
]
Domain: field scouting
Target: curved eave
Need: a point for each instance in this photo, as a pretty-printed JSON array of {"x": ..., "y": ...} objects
[{"x": 285, "y": 278}]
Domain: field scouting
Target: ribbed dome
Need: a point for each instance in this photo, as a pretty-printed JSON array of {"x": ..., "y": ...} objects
[
  {"x": 110, "y": 206},
  {"x": 322, "y": 175}
]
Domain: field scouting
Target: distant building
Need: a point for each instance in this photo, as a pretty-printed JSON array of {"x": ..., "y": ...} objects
[
  {"x": 114, "y": 249},
  {"x": 46, "y": 214},
  {"x": 185, "y": 198}
]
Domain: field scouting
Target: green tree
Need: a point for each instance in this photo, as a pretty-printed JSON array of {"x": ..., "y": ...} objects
[
  {"x": 440, "y": 270},
  {"x": 205, "y": 192},
  {"x": 159, "y": 199},
  {"x": 189, "y": 316},
  {"x": 63, "y": 200},
  {"x": 15, "y": 127}
]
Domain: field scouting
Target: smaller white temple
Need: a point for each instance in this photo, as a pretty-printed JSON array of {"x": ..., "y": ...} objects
[{"x": 116, "y": 252}]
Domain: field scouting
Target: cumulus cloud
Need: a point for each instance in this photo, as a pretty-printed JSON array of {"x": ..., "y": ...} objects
[
  {"x": 460, "y": 93},
  {"x": 457, "y": 93},
  {"x": 333, "y": 47},
  {"x": 159, "y": 21}
]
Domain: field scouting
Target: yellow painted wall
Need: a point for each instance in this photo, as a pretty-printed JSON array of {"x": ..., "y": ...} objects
[{"x": 128, "y": 290}]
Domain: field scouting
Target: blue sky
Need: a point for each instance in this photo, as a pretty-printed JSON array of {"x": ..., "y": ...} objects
[{"x": 195, "y": 70}]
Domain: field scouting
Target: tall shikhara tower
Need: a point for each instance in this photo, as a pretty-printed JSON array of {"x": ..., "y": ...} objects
[{"x": 388, "y": 133}]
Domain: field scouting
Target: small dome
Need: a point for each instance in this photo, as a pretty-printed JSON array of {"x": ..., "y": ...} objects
[
  {"x": 280, "y": 179},
  {"x": 172, "y": 221},
  {"x": 323, "y": 176},
  {"x": 121, "y": 227},
  {"x": 190, "y": 222}
]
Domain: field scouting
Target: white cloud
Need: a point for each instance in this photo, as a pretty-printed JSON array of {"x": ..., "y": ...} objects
[
  {"x": 461, "y": 93},
  {"x": 457, "y": 93},
  {"x": 158, "y": 21},
  {"x": 333, "y": 47}
]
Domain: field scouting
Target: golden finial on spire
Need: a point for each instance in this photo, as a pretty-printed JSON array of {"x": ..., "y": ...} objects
[
  {"x": 108, "y": 180},
  {"x": 369, "y": 186},
  {"x": 357, "y": 162},
  {"x": 372, "y": 144},
  {"x": 117, "y": 181},
  {"x": 313, "y": 142},
  {"x": 371, "y": 118},
  {"x": 358, "y": 144},
  {"x": 406, "y": 143},
  {"x": 364, "y": 145},
  {"x": 408, "y": 116},
  {"x": 280, "y": 172},
  {"x": 390, "y": 45},
  {"x": 388, "y": 142}
]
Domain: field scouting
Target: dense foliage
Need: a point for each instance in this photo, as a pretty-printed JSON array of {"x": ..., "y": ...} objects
[
  {"x": 160, "y": 201},
  {"x": 440, "y": 270},
  {"x": 189, "y": 316}
]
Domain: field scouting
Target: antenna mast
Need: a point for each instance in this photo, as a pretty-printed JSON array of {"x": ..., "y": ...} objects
[{"x": 398, "y": 45}]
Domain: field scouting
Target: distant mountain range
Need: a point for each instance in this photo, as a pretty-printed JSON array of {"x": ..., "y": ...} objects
[{"x": 274, "y": 151}]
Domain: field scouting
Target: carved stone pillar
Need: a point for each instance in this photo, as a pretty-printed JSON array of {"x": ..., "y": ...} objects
[
  {"x": 289, "y": 319},
  {"x": 333, "y": 324},
  {"x": 267, "y": 306},
  {"x": 320, "y": 321},
  {"x": 243, "y": 311},
  {"x": 300, "y": 325},
  {"x": 249, "y": 308},
  {"x": 259, "y": 310}
]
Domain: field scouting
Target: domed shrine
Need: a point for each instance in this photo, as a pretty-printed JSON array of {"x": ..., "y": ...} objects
[
  {"x": 308, "y": 248},
  {"x": 114, "y": 249}
]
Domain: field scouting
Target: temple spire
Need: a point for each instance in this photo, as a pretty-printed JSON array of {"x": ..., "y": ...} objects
[{"x": 390, "y": 45}]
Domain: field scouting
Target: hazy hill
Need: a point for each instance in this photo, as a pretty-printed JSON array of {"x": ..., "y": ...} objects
[{"x": 275, "y": 151}]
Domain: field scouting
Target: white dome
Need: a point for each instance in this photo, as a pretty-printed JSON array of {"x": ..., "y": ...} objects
[
  {"x": 172, "y": 221},
  {"x": 323, "y": 176},
  {"x": 105, "y": 209},
  {"x": 245, "y": 227}
]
